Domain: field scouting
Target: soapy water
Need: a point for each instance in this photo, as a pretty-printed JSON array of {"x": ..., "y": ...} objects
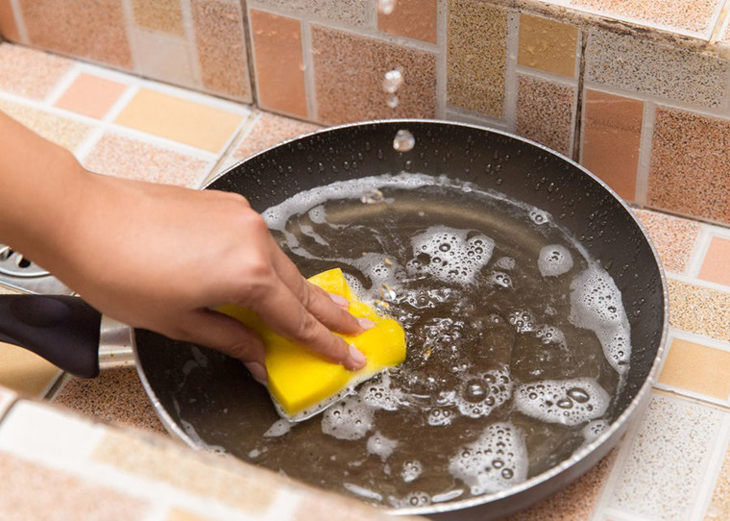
[{"x": 512, "y": 360}]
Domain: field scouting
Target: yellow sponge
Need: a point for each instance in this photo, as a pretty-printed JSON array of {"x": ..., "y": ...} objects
[{"x": 300, "y": 380}]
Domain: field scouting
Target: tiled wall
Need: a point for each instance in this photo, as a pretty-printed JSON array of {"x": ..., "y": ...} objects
[{"x": 637, "y": 91}]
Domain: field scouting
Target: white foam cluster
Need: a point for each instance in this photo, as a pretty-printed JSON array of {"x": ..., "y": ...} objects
[
  {"x": 595, "y": 304},
  {"x": 378, "y": 394},
  {"x": 522, "y": 321},
  {"x": 414, "y": 499},
  {"x": 505, "y": 263},
  {"x": 379, "y": 268},
  {"x": 568, "y": 402},
  {"x": 479, "y": 395},
  {"x": 499, "y": 278},
  {"x": 495, "y": 461},
  {"x": 411, "y": 470},
  {"x": 594, "y": 429},
  {"x": 452, "y": 256},
  {"x": 381, "y": 446},
  {"x": 539, "y": 216},
  {"x": 554, "y": 260},
  {"x": 278, "y": 428},
  {"x": 551, "y": 335},
  {"x": 440, "y": 416},
  {"x": 348, "y": 419},
  {"x": 318, "y": 214}
]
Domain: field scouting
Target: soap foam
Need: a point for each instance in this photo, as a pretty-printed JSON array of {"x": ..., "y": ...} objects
[
  {"x": 554, "y": 260},
  {"x": 479, "y": 395},
  {"x": 411, "y": 470},
  {"x": 379, "y": 395},
  {"x": 278, "y": 428},
  {"x": 450, "y": 255},
  {"x": 381, "y": 446},
  {"x": 594, "y": 429},
  {"x": 595, "y": 304},
  {"x": 495, "y": 461},
  {"x": 568, "y": 402},
  {"x": 348, "y": 419}
]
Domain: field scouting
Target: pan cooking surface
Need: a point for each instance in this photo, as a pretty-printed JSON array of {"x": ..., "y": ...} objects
[{"x": 517, "y": 342}]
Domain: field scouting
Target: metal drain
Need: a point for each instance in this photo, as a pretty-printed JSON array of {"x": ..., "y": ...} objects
[{"x": 20, "y": 273}]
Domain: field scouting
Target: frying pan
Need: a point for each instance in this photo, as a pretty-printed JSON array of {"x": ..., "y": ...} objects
[{"x": 208, "y": 407}]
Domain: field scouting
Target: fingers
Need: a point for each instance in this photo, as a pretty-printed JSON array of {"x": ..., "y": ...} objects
[
  {"x": 329, "y": 310},
  {"x": 225, "y": 334}
]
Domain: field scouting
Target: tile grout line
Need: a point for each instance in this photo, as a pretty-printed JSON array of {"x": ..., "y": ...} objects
[
  {"x": 310, "y": 85},
  {"x": 721, "y": 19},
  {"x": 511, "y": 81},
  {"x": 240, "y": 136},
  {"x": 192, "y": 43},
  {"x": 20, "y": 22},
  {"x": 129, "y": 26},
  {"x": 699, "y": 252},
  {"x": 646, "y": 140},
  {"x": 442, "y": 75},
  {"x": 62, "y": 85},
  {"x": 695, "y": 397},
  {"x": 523, "y": 70},
  {"x": 699, "y": 283},
  {"x": 580, "y": 111}
]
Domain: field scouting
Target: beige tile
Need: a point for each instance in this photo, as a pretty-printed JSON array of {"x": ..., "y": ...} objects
[
  {"x": 699, "y": 310},
  {"x": 268, "y": 130},
  {"x": 163, "y": 57},
  {"x": 116, "y": 396},
  {"x": 34, "y": 491},
  {"x": 351, "y": 12},
  {"x": 277, "y": 45},
  {"x": 697, "y": 368},
  {"x": 92, "y": 29},
  {"x": 178, "y": 119},
  {"x": 612, "y": 123},
  {"x": 545, "y": 112},
  {"x": 8, "y": 28},
  {"x": 547, "y": 45},
  {"x": 716, "y": 264},
  {"x": 91, "y": 96},
  {"x": 159, "y": 15},
  {"x": 690, "y": 164},
  {"x": 476, "y": 57},
  {"x": 416, "y": 19},
  {"x": 24, "y": 371},
  {"x": 177, "y": 514},
  {"x": 222, "y": 48},
  {"x": 673, "y": 237},
  {"x": 719, "y": 508},
  {"x": 29, "y": 73},
  {"x": 349, "y": 71},
  {"x": 251, "y": 491},
  {"x": 134, "y": 159},
  {"x": 65, "y": 132}
]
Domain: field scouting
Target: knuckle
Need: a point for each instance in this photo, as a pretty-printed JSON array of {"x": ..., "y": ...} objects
[{"x": 308, "y": 330}]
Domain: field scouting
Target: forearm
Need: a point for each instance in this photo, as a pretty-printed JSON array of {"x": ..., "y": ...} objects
[{"x": 40, "y": 185}]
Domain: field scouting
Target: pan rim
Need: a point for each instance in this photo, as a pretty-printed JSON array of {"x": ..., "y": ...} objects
[{"x": 626, "y": 416}]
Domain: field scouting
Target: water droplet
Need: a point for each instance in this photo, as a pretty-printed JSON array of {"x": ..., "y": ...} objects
[
  {"x": 475, "y": 391},
  {"x": 386, "y": 6},
  {"x": 579, "y": 395},
  {"x": 507, "y": 473},
  {"x": 565, "y": 403},
  {"x": 387, "y": 293},
  {"x": 404, "y": 141},
  {"x": 393, "y": 80},
  {"x": 392, "y": 100}
]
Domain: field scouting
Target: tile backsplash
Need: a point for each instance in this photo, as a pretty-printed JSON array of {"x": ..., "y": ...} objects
[{"x": 638, "y": 92}]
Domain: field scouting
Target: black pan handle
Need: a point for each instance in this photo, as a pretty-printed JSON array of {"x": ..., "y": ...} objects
[{"x": 63, "y": 330}]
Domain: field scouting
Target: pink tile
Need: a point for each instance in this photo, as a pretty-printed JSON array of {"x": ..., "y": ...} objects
[
  {"x": 91, "y": 96},
  {"x": 673, "y": 237},
  {"x": 411, "y": 18},
  {"x": 125, "y": 157},
  {"x": 30, "y": 73},
  {"x": 716, "y": 264}
]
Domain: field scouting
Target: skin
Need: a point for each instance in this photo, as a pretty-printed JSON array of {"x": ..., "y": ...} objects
[{"x": 162, "y": 257}]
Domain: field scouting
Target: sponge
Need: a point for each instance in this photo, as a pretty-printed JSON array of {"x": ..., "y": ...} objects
[{"x": 300, "y": 382}]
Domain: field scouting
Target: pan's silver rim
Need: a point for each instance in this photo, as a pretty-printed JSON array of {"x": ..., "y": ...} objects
[{"x": 581, "y": 453}]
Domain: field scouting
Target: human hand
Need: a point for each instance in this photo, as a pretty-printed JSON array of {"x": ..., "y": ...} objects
[{"x": 162, "y": 257}]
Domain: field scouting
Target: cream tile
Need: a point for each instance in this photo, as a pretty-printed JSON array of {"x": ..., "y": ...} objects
[
  {"x": 697, "y": 368},
  {"x": 189, "y": 122},
  {"x": 24, "y": 371},
  {"x": 91, "y": 96},
  {"x": 716, "y": 264}
]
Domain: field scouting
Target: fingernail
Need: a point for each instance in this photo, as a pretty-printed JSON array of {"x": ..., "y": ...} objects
[
  {"x": 340, "y": 301},
  {"x": 257, "y": 371},
  {"x": 365, "y": 323},
  {"x": 357, "y": 357}
]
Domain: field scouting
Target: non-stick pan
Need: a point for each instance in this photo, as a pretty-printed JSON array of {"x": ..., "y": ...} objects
[{"x": 209, "y": 407}]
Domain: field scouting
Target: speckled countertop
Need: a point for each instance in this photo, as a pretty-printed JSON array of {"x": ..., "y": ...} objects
[{"x": 673, "y": 464}]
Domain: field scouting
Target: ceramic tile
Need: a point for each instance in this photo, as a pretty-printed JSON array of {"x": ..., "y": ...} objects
[
  {"x": 575, "y": 502},
  {"x": 37, "y": 491},
  {"x": 177, "y": 514},
  {"x": 697, "y": 368},
  {"x": 189, "y": 122},
  {"x": 160, "y": 15},
  {"x": 690, "y": 164},
  {"x": 30, "y": 73},
  {"x": 169, "y": 463},
  {"x": 476, "y": 57},
  {"x": 411, "y": 18},
  {"x": 65, "y": 132},
  {"x": 25, "y": 372},
  {"x": 222, "y": 48},
  {"x": 351, "y": 12},
  {"x": 699, "y": 310},
  {"x": 93, "y": 29},
  {"x": 91, "y": 95},
  {"x": 115, "y": 396},
  {"x": 545, "y": 112},
  {"x": 667, "y": 458},
  {"x": 277, "y": 46},
  {"x": 719, "y": 508},
  {"x": 673, "y": 237},
  {"x": 612, "y": 123},
  {"x": 349, "y": 71},
  {"x": 8, "y": 28},
  {"x": 268, "y": 130},
  {"x": 547, "y": 45},
  {"x": 162, "y": 57},
  {"x": 716, "y": 264},
  {"x": 694, "y": 16},
  {"x": 7, "y": 397},
  {"x": 638, "y": 65},
  {"x": 126, "y": 157}
]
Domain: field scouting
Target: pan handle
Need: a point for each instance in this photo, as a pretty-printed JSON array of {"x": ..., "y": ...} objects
[{"x": 63, "y": 330}]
